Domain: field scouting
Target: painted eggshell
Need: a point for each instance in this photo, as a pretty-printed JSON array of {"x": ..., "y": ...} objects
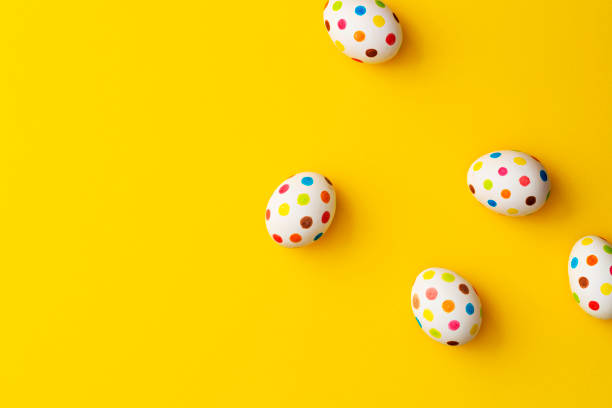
[
  {"x": 301, "y": 209},
  {"x": 365, "y": 30},
  {"x": 590, "y": 275},
  {"x": 446, "y": 306},
  {"x": 509, "y": 182}
]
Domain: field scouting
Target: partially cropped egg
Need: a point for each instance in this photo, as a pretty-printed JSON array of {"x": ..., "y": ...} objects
[
  {"x": 301, "y": 210},
  {"x": 365, "y": 30}
]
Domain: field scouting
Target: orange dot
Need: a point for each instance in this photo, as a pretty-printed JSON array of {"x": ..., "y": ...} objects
[
  {"x": 505, "y": 193},
  {"x": 295, "y": 238},
  {"x": 591, "y": 260},
  {"x": 325, "y": 197},
  {"x": 359, "y": 36},
  {"x": 448, "y": 306}
]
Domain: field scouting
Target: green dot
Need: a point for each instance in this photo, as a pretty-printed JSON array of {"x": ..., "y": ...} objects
[
  {"x": 547, "y": 195},
  {"x": 448, "y": 277},
  {"x": 435, "y": 333},
  {"x": 488, "y": 184},
  {"x": 303, "y": 199},
  {"x": 380, "y": 4},
  {"x": 576, "y": 298},
  {"x": 337, "y": 6},
  {"x": 608, "y": 249}
]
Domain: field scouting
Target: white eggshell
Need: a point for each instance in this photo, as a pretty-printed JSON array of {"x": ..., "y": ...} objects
[
  {"x": 365, "y": 30},
  {"x": 509, "y": 182},
  {"x": 590, "y": 275},
  {"x": 301, "y": 209},
  {"x": 446, "y": 306}
]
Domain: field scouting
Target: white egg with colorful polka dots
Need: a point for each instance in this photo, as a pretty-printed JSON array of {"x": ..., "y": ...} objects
[
  {"x": 365, "y": 30},
  {"x": 301, "y": 210},
  {"x": 509, "y": 182},
  {"x": 590, "y": 275},
  {"x": 446, "y": 306}
]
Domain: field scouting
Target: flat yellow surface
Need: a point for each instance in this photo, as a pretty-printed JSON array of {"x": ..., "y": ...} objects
[{"x": 141, "y": 140}]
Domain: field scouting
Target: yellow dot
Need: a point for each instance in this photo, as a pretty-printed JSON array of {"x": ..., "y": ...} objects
[
  {"x": 520, "y": 161},
  {"x": 587, "y": 241},
  {"x": 478, "y": 166},
  {"x": 283, "y": 209},
  {"x": 606, "y": 289},
  {"x": 428, "y": 275},
  {"x": 379, "y": 21},
  {"x": 428, "y": 315},
  {"x": 340, "y": 46},
  {"x": 474, "y": 329},
  {"x": 512, "y": 211}
]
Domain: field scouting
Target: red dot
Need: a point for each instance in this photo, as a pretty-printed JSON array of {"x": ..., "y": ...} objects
[
  {"x": 277, "y": 238},
  {"x": 267, "y": 214},
  {"x": 593, "y": 305},
  {"x": 284, "y": 188},
  {"x": 295, "y": 238},
  {"x": 325, "y": 217},
  {"x": 342, "y": 24},
  {"x": 391, "y": 39},
  {"x": 502, "y": 171},
  {"x": 355, "y": 59},
  {"x": 431, "y": 293},
  {"x": 524, "y": 181}
]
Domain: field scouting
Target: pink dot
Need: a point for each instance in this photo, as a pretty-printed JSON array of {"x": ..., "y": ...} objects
[
  {"x": 610, "y": 270},
  {"x": 453, "y": 325},
  {"x": 524, "y": 181},
  {"x": 284, "y": 188},
  {"x": 325, "y": 217},
  {"x": 391, "y": 39},
  {"x": 594, "y": 305},
  {"x": 342, "y": 24},
  {"x": 502, "y": 171},
  {"x": 431, "y": 293}
]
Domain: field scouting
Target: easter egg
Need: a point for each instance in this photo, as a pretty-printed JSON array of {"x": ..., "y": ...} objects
[
  {"x": 590, "y": 275},
  {"x": 365, "y": 30},
  {"x": 446, "y": 306},
  {"x": 509, "y": 182},
  {"x": 301, "y": 209}
]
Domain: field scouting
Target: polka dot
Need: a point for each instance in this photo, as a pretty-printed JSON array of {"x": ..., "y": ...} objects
[
  {"x": 380, "y": 4},
  {"x": 359, "y": 36},
  {"x": 342, "y": 24},
  {"x": 464, "y": 289},
  {"x": 587, "y": 241},
  {"x": 469, "y": 309},
  {"x": 428, "y": 315},
  {"x": 531, "y": 200},
  {"x": 295, "y": 238},
  {"x": 512, "y": 211},
  {"x": 306, "y": 222},
  {"x": 358, "y": 60},
  {"x": 474, "y": 330},
  {"x": 325, "y": 217},
  {"x": 283, "y": 209},
  {"x": 328, "y": 181},
  {"x": 378, "y": 21},
  {"x": 608, "y": 249},
  {"x": 548, "y": 195},
  {"x": 284, "y": 188},
  {"x": 390, "y": 39},
  {"x": 477, "y": 166},
  {"x": 319, "y": 235},
  {"x": 543, "y": 175},
  {"x": 420, "y": 325},
  {"x": 337, "y": 6},
  {"x": 371, "y": 53},
  {"x": 326, "y": 4},
  {"x": 520, "y": 161},
  {"x": 360, "y": 10},
  {"x": 488, "y": 184},
  {"x": 267, "y": 214},
  {"x": 277, "y": 238},
  {"x": 610, "y": 270},
  {"x": 454, "y": 325},
  {"x": 505, "y": 193},
  {"x": 395, "y": 17},
  {"x": 495, "y": 155},
  {"x": 448, "y": 306},
  {"x": 448, "y": 277},
  {"x": 340, "y": 45},
  {"x": 502, "y": 171},
  {"x": 431, "y": 293},
  {"x": 492, "y": 203},
  {"x": 415, "y": 301},
  {"x": 428, "y": 275},
  {"x": 524, "y": 181},
  {"x": 606, "y": 289},
  {"x": 325, "y": 197},
  {"x": 327, "y": 25},
  {"x": 583, "y": 282},
  {"x": 307, "y": 181},
  {"x": 593, "y": 305},
  {"x": 472, "y": 189},
  {"x": 576, "y": 298},
  {"x": 435, "y": 333},
  {"x": 574, "y": 263},
  {"x": 591, "y": 260},
  {"x": 452, "y": 343},
  {"x": 303, "y": 199}
]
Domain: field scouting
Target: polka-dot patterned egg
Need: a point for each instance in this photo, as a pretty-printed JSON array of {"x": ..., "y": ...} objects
[
  {"x": 365, "y": 30},
  {"x": 446, "y": 306},
  {"x": 509, "y": 182},
  {"x": 301, "y": 209},
  {"x": 590, "y": 275}
]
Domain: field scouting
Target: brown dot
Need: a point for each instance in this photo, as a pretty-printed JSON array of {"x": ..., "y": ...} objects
[
  {"x": 530, "y": 200},
  {"x": 371, "y": 53},
  {"x": 583, "y": 282},
  {"x": 452, "y": 343},
  {"x": 464, "y": 289},
  {"x": 306, "y": 222},
  {"x": 396, "y": 19},
  {"x": 472, "y": 189},
  {"x": 415, "y": 301},
  {"x": 328, "y": 181},
  {"x": 327, "y": 25}
]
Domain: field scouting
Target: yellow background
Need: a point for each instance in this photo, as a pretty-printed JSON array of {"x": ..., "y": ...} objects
[{"x": 141, "y": 140}]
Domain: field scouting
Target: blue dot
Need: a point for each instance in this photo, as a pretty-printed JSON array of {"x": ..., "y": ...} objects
[
  {"x": 492, "y": 203},
  {"x": 543, "y": 175},
  {"x": 420, "y": 325},
  {"x": 574, "y": 263},
  {"x": 307, "y": 181},
  {"x": 495, "y": 155},
  {"x": 469, "y": 309},
  {"x": 360, "y": 10},
  {"x": 319, "y": 235}
]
